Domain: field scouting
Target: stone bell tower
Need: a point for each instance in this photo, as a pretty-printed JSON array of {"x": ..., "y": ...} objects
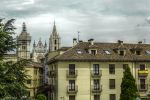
[
  {"x": 54, "y": 40},
  {"x": 23, "y": 44}
]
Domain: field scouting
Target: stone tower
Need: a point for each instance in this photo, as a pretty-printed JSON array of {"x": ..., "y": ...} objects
[
  {"x": 23, "y": 44},
  {"x": 54, "y": 40}
]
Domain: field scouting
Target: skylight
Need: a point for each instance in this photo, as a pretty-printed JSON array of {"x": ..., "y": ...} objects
[
  {"x": 147, "y": 52},
  {"x": 107, "y": 52},
  {"x": 79, "y": 51}
]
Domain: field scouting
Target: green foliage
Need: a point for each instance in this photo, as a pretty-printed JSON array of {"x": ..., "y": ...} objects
[
  {"x": 41, "y": 97},
  {"x": 12, "y": 79},
  {"x": 7, "y": 42},
  {"x": 12, "y": 74},
  {"x": 128, "y": 86}
]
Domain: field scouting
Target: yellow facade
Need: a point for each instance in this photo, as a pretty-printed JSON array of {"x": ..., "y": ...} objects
[
  {"x": 98, "y": 70},
  {"x": 34, "y": 80},
  {"x": 84, "y": 79}
]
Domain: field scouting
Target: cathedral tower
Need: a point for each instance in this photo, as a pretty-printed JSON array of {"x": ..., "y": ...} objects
[
  {"x": 54, "y": 40},
  {"x": 23, "y": 43}
]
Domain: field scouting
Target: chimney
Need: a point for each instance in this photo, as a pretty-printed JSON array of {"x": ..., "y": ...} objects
[
  {"x": 74, "y": 41},
  {"x": 80, "y": 41},
  {"x": 91, "y": 41},
  {"x": 120, "y": 42},
  {"x": 140, "y": 42}
]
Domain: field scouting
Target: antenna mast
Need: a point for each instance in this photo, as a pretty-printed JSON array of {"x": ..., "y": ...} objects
[{"x": 78, "y": 35}]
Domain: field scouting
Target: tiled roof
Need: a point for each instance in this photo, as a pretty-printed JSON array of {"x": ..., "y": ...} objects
[{"x": 80, "y": 52}]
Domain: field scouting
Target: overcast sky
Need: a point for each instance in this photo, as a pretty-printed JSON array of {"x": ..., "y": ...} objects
[{"x": 103, "y": 20}]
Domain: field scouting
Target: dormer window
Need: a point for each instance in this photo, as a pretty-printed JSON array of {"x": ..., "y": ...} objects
[
  {"x": 78, "y": 51},
  {"x": 121, "y": 53},
  {"x": 138, "y": 52},
  {"x": 93, "y": 52}
]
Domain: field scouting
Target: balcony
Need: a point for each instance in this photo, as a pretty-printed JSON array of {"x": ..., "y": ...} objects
[
  {"x": 142, "y": 72},
  {"x": 51, "y": 74},
  {"x": 96, "y": 89},
  {"x": 96, "y": 74},
  {"x": 72, "y": 89},
  {"x": 142, "y": 87},
  {"x": 71, "y": 74}
]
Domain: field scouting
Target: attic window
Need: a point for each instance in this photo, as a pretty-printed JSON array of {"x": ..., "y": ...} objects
[
  {"x": 121, "y": 53},
  {"x": 93, "y": 52},
  {"x": 107, "y": 52},
  {"x": 79, "y": 51},
  {"x": 138, "y": 52},
  {"x": 147, "y": 52}
]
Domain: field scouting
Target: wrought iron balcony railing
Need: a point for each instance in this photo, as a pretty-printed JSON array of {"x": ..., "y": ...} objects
[
  {"x": 71, "y": 73},
  {"x": 97, "y": 73},
  {"x": 72, "y": 89}
]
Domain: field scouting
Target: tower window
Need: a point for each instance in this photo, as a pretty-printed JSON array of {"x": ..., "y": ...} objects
[
  {"x": 55, "y": 41},
  {"x": 55, "y": 47},
  {"x": 23, "y": 47}
]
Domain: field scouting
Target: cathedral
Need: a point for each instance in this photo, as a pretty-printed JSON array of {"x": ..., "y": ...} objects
[
  {"x": 35, "y": 69},
  {"x": 39, "y": 49}
]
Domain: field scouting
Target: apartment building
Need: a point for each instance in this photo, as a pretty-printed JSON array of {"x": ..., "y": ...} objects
[
  {"x": 35, "y": 79},
  {"x": 94, "y": 71}
]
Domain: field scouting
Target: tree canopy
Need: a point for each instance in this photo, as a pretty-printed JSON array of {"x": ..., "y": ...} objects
[
  {"x": 7, "y": 42},
  {"x": 128, "y": 86},
  {"x": 12, "y": 74}
]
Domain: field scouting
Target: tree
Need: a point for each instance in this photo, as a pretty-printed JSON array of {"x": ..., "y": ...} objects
[
  {"x": 7, "y": 42},
  {"x": 128, "y": 86},
  {"x": 41, "y": 97},
  {"x": 12, "y": 74}
]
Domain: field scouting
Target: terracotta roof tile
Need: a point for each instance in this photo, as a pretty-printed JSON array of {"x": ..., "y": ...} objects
[{"x": 73, "y": 55}]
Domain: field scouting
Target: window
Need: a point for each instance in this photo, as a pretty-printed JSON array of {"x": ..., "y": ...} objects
[
  {"x": 93, "y": 52},
  {"x": 55, "y": 47},
  {"x": 111, "y": 68},
  {"x": 142, "y": 84},
  {"x": 112, "y": 97},
  {"x": 55, "y": 41},
  {"x": 29, "y": 81},
  {"x": 142, "y": 66},
  {"x": 23, "y": 47},
  {"x": 111, "y": 83},
  {"x": 96, "y": 84},
  {"x": 78, "y": 51},
  {"x": 71, "y": 69},
  {"x": 72, "y": 97},
  {"x": 124, "y": 66},
  {"x": 35, "y": 71},
  {"x": 28, "y": 92},
  {"x": 121, "y": 53},
  {"x": 96, "y": 69},
  {"x": 147, "y": 52},
  {"x": 96, "y": 97},
  {"x": 138, "y": 52},
  {"x": 107, "y": 52},
  {"x": 71, "y": 85}
]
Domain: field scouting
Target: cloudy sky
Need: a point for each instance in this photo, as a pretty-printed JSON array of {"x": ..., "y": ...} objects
[{"x": 103, "y": 20}]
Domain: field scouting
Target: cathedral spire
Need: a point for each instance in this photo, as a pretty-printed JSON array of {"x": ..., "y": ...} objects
[
  {"x": 24, "y": 29},
  {"x": 54, "y": 32},
  {"x": 54, "y": 40}
]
